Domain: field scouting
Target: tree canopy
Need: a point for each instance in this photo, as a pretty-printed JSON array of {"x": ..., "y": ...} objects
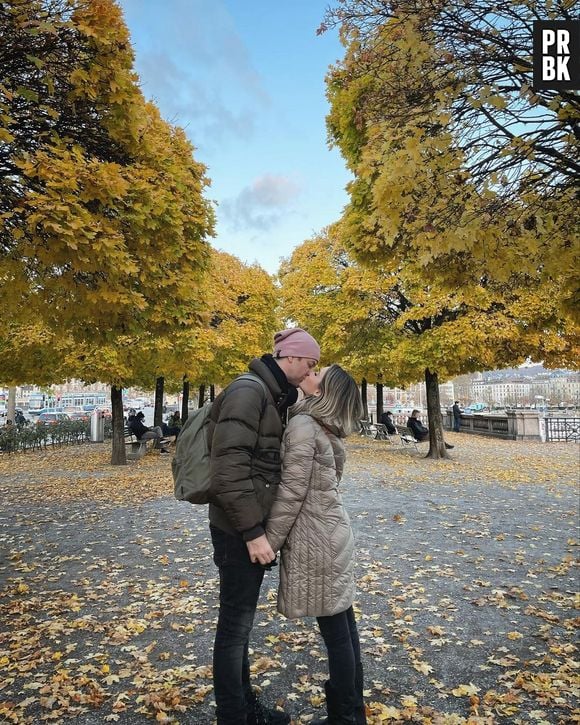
[
  {"x": 105, "y": 225},
  {"x": 452, "y": 150},
  {"x": 394, "y": 327},
  {"x": 475, "y": 61},
  {"x": 242, "y": 302}
]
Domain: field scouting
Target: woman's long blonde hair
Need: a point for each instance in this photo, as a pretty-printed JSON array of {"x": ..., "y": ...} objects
[{"x": 339, "y": 405}]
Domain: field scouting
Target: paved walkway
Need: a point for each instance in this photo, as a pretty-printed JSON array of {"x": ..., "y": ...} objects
[{"x": 465, "y": 576}]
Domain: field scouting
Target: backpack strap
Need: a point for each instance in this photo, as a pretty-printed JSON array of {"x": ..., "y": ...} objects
[{"x": 257, "y": 379}]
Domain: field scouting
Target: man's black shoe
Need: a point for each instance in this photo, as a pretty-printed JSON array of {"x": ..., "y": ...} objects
[
  {"x": 262, "y": 715},
  {"x": 448, "y": 445}
]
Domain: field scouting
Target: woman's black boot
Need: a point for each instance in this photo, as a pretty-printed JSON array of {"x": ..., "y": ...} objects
[
  {"x": 340, "y": 708},
  {"x": 359, "y": 705}
]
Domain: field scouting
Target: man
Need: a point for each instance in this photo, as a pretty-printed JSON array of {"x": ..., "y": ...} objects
[
  {"x": 245, "y": 432},
  {"x": 387, "y": 421},
  {"x": 143, "y": 433},
  {"x": 19, "y": 419},
  {"x": 420, "y": 431},
  {"x": 456, "y": 416}
]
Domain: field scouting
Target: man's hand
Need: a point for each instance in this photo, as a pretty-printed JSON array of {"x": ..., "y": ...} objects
[{"x": 260, "y": 550}]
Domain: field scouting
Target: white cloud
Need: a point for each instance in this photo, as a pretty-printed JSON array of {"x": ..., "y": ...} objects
[
  {"x": 261, "y": 204},
  {"x": 197, "y": 68}
]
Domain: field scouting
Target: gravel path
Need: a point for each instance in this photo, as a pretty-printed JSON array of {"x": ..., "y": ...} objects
[{"x": 466, "y": 586}]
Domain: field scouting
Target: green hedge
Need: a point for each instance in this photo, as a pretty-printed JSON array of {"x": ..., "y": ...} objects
[{"x": 39, "y": 435}]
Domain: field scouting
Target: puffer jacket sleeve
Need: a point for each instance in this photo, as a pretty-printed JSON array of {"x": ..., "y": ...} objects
[
  {"x": 232, "y": 449},
  {"x": 299, "y": 447},
  {"x": 339, "y": 459}
]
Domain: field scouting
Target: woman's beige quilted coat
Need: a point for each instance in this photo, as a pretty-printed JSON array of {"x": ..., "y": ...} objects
[{"x": 309, "y": 523}]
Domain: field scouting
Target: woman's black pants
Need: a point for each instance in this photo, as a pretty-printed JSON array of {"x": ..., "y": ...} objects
[{"x": 341, "y": 639}]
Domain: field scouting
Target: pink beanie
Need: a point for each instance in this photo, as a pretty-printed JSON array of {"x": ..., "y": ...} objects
[{"x": 296, "y": 342}]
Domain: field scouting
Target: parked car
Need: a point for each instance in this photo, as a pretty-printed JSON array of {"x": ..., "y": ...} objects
[
  {"x": 40, "y": 411},
  {"x": 52, "y": 418},
  {"x": 79, "y": 415}
]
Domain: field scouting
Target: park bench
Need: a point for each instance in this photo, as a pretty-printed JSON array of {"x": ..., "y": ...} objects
[
  {"x": 135, "y": 448},
  {"x": 408, "y": 440},
  {"x": 382, "y": 434},
  {"x": 367, "y": 429},
  {"x": 379, "y": 432}
]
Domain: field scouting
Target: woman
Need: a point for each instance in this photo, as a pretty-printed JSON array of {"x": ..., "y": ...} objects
[{"x": 310, "y": 526}]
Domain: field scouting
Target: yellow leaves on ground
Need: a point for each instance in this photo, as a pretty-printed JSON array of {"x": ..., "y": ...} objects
[
  {"x": 465, "y": 690},
  {"x": 110, "y": 592},
  {"x": 477, "y": 458},
  {"x": 85, "y": 473}
]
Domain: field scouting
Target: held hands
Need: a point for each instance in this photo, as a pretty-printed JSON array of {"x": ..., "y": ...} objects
[{"x": 260, "y": 550}]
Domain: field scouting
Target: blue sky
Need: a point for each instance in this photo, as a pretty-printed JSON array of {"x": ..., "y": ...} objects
[{"x": 245, "y": 78}]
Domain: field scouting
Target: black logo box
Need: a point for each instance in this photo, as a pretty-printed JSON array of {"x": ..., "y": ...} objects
[{"x": 563, "y": 48}]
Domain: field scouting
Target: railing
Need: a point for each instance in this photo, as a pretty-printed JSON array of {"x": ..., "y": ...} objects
[
  {"x": 513, "y": 425},
  {"x": 487, "y": 425},
  {"x": 562, "y": 429}
]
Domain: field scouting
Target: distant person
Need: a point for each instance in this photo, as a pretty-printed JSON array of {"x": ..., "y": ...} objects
[
  {"x": 173, "y": 425},
  {"x": 456, "y": 416},
  {"x": 420, "y": 431},
  {"x": 386, "y": 419},
  {"x": 175, "y": 420},
  {"x": 143, "y": 433},
  {"x": 19, "y": 419}
]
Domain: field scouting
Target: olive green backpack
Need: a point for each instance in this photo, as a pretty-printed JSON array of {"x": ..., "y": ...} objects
[{"x": 190, "y": 465}]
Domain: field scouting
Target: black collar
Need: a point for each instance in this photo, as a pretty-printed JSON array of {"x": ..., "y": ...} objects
[{"x": 289, "y": 392}]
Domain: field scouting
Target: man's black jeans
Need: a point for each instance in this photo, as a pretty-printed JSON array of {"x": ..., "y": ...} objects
[{"x": 240, "y": 583}]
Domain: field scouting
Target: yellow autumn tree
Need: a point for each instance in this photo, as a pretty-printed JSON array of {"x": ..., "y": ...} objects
[
  {"x": 423, "y": 209},
  {"x": 325, "y": 291},
  {"x": 242, "y": 302},
  {"x": 105, "y": 224},
  {"x": 452, "y": 148},
  {"x": 31, "y": 354},
  {"x": 391, "y": 326}
]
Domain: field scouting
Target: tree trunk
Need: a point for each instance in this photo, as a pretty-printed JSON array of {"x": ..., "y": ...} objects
[
  {"x": 158, "y": 410},
  {"x": 185, "y": 399},
  {"x": 436, "y": 441},
  {"x": 11, "y": 407},
  {"x": 118, "y": 454},
  {"x": 201, "y": 398},
  {"x": 379, "y": 401},
  {"x": 211, "y": 393},
  {"x": 363, "y": 393}
]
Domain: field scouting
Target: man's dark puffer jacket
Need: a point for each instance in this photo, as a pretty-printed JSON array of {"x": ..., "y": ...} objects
[{"x": 245, "y": 432}]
